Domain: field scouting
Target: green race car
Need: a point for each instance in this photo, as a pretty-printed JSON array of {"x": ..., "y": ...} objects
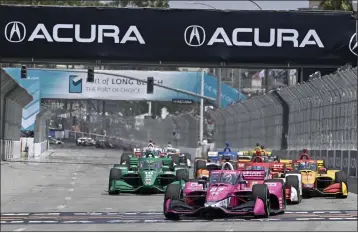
[{"x": 148, "y": 174}]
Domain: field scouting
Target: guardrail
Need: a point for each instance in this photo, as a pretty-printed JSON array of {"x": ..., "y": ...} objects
[{"x": 13, "y": 98}]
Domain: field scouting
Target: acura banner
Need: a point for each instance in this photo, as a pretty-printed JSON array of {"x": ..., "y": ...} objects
[{"x": 177, "y": 35}]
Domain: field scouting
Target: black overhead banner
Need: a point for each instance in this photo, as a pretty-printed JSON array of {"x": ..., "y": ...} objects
[{"x": 176, "y": 35}]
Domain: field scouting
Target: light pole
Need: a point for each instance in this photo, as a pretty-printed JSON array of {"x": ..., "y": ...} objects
[
  {"x": 255, "y": 4},
  {"x": 203, "y": 4},
  {"x": 355, "y": 8},
  {"x": 201, "y": 129}
]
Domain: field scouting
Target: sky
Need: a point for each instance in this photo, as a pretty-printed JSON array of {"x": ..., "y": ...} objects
[{"x": 241, "y": 5}]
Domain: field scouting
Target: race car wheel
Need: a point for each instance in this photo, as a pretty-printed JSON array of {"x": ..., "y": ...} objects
[
  {"x": 174, "y": 157},
  {"x": 340, "y": 177},
  {"x": 199, "y": 164},
  {"x": 261, "y": 191},
  {"x": 125, "y": 158},
  {"x": 188, "y": 156},
  {"x": 172, "y": 192},
  {"x": 114, "y": 174},
  {"x": 294, "y": 182},
  {"x": 283, "y": 190},
  {"x": 182, "y": 174}
]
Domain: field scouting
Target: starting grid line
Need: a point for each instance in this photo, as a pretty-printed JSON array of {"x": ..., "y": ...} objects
[
  {"x": 168, "y": 221},
  {"x": 156, "y": 213}
]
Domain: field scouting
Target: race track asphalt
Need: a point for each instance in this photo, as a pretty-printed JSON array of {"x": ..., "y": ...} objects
[{"x": 67, "y": 192}]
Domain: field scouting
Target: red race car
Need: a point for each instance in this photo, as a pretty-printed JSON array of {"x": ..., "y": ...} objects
[{"x": 277, "y": 170}]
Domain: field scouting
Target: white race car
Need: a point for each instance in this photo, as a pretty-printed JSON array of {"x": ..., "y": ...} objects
[
  {"x": 85, "y": 142},
  {"x": 54, "y": 141}
]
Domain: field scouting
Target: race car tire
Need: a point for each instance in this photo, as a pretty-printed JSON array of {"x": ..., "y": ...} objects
[
  {"x": 182, "y": 174},
  {"x": 174, "y": 157},
  {"x": 283, "y": 190},
  {"x": 292, "y": 172},
  {"x": 261, "y": 191},
  {"x": 295, "y": 183},
  {"x": 200, "y": 164},
  {"x": 114, "y": 174},
  {"x": 125, "y": 157},
  {"x": 188, "y": 156},
  {"x": 341, "y": 177},
  {"x": 173, "y": 192}
]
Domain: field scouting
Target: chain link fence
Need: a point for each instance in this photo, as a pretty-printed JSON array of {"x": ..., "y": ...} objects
[{"x": 319, "y": 114}]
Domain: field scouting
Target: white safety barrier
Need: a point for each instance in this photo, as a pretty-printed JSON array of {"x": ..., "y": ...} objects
[{"x": 6, "y": 149}]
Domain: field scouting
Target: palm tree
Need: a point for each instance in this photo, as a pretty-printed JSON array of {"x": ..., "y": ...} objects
[{"x": 342, "y": 5}]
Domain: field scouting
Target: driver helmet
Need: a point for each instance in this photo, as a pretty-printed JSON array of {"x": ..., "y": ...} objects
[
  {"x": 302, "y": 165},
  {"x": 262, "y": 147},
  {"x": 227, "y": 144},
  {"x": 227, "y": 178},
  {"x": 227, "y": 166},
  {"x": 149, "y": 154},
  {"x": 305, "y": 151},
  {"x": 182, "y": 155}
]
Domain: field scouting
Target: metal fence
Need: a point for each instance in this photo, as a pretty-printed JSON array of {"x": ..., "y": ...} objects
[{"x": 319, "y": 114}]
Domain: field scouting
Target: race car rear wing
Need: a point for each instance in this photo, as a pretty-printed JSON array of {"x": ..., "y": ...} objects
[
  {"x": 278, "y": 167},
  {"x": 320, "y": 164},
  {"x": 213, "y": 154},
  {"x": 253, "y": 175},
  {"x": 288, "y": 163}
]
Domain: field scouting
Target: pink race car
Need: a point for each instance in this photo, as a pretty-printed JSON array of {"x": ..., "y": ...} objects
[{"x": 226, "y": 193}]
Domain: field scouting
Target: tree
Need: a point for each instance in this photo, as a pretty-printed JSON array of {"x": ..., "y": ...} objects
[
  {"x": 343, "y": 5},
  {"x": 141, "y": 3},
  {"x": 115, "y": 3},
  {"x": 54, "y": 2}
]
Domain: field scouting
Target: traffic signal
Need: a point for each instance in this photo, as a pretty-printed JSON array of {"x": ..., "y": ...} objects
[
  {"x": 90, "y": 76},
  {"x": 23, "y": 72},
  {"x": 150, "y": 85}
]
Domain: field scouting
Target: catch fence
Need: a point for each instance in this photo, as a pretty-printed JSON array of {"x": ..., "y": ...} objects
[{"x": 318, "y": 115}]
